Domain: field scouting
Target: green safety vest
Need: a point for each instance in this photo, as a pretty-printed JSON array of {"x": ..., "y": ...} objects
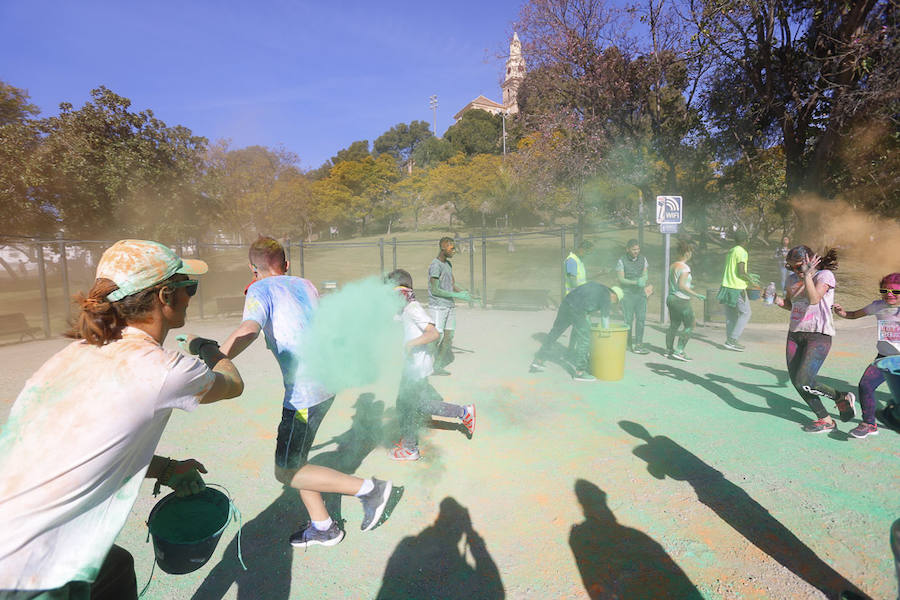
[{"x": 580, "y": 275}]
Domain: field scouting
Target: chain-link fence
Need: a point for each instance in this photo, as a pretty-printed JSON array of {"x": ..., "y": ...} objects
[{"x": 513, "y": 270}]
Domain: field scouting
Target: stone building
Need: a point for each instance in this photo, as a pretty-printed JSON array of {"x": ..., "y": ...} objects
[{"x": 515, "y": 73}]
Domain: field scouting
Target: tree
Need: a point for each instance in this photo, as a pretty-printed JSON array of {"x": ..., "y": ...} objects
[
  {"x": 476, "y": 132},
  {"x": 410, "y": 192},
  {"x": 360, "y": 189},
  {"x": 469, "y": 186},
  {"x": 401, "y": 140},
  {"x": 432, "y": 151},
  {"x": 105, "y": 170}
]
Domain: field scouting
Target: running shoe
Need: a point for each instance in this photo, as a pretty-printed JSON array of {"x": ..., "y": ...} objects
[
  {"x": 639, "y": 349},
  {"x": 846, "y": 405},
  {"x": 864, "y": 430},
  {"x": 819, "y": 426},
  {"x": 680, "y": 356},
  {"x": 468, "y": 418},
  {"x": 584, "y": 376},
  {"x": 733, "y": 345},
  {"x": 536, "y": 367},
  {"x": 441, "y": 372},
  {"x": 374, "y": 503},
  {"x": 401, "y": 452},
  {"x": 310, "y": 536}
]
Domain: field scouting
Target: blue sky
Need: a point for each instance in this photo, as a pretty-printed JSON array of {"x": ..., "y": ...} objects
[{"x": 311, "y": 76}]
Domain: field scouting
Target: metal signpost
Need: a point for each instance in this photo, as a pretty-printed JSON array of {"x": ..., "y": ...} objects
[{"x": 668, "y": 216}]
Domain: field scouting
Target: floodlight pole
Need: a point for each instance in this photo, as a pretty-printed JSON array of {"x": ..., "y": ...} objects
[{"x": 433, "y": 103}]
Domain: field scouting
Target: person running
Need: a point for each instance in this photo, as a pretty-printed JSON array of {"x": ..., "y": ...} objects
[
  {"x": 81, "y": 435},
  {"x": 810, "y": 297},
  {"x": 679, "y": 302},
  {"x": 733, "y": 292},
  {"x": 575, "y": 272},
  {"x": 442, "y": 295},
  {"x": 631, "y": 270},
  {"x": 780, "y": 257},
  {"x": 416, "y": 397},
  {"x": 887, "y": 313},
  {"x": 574, "y": 311},
  {"x": 281, "y": 306}
]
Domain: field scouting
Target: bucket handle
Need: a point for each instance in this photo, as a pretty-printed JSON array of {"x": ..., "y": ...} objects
[{"x": 233, "y": 514}]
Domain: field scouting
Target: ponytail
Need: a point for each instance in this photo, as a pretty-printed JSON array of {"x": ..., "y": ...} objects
[{"x": 100, "y": 321}]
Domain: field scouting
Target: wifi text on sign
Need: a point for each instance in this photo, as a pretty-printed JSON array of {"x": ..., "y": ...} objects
[{"x": 668, "y": 209}]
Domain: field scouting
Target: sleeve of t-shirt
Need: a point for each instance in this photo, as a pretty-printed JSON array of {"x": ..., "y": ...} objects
[
  {"x": 571, "y": 267},
  {"x": 434, "y": 270},
  {"x": 187, "y": 381},
  {"x": 740, "y": 256},
  {"x": 255, "y": 306},
  {"x": 620, "y": 266},
  {"x": 827, "y": 276},
  {"x": 419, "y": 316},
  {"x": 872, "y": 309}
]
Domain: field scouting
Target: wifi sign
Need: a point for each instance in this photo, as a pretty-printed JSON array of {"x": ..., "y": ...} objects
[{"x": 668, "y": 209}]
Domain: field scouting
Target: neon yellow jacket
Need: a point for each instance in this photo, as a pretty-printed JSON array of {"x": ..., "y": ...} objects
[{"x": 580, "y": 274}]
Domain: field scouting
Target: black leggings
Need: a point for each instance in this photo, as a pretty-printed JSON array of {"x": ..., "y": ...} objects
[
  {"x": 805, "y": 352},
  {"x": 680, "y": 313}
]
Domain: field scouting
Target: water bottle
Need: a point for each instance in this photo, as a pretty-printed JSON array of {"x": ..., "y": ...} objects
[{"x": 769, "y": 295}]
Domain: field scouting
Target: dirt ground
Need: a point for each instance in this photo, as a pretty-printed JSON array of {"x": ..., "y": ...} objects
[{"x": 682, "y": 480}]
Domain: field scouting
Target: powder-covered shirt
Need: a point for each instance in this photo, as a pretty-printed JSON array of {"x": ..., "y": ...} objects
[
  {"x": 730, "y": 277},
  {"x": 443, "y": 271},
  {"x": 75, "y": 449},
  {"x": 419, "y": 361},
  {"x": 590, "y": 297},
  {"x": 283, "y": 306},
  {"x": 675, "y": 273},
  {"x": 632, "y": 269},
  {"x": 888, "y": 318},
  {"x": 815, "y": 318}
]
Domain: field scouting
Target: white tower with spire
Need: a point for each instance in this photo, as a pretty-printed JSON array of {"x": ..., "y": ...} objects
[{"x": 515, "y": 73}]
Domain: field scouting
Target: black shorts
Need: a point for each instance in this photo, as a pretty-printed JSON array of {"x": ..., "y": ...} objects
[{"x": 296, "y": 433}]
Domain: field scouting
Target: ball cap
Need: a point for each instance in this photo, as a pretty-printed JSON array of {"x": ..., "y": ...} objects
[
  {"x": 618, "y": 292},
  {"x": 136, "y": 265}
]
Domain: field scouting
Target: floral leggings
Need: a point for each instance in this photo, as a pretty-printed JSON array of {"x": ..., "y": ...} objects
[
  {"x": 805, "y": 353},
  {"x": 868, "y": 383}
]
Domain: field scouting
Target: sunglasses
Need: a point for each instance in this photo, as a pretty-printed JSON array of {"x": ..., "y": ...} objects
[
  {"x": 189, "y": 285},
  {"x": 792, "y": 267},
  {"x": 894, "y": 292}
]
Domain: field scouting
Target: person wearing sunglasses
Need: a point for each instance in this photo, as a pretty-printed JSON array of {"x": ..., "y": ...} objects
[
  {"x": 82, "y": 434},
  {"x": 810, "y": 297},
  {"x": 886, "y": 311}
]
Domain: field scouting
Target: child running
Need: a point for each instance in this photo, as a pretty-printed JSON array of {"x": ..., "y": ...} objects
[
  {"x": 887, "y": 313},
  {"x": 281, "y": 306},
  {"x": 679, "y": 303},
  {"x": 417, "y": 398},
  {"x": 810, "y": 297}
]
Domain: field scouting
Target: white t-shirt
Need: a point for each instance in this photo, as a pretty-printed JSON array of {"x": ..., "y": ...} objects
[
  {"x": 419, "y": 361},
  {"x": 888, "y": 326},
  {"x": 815, "y": 318},
  {"x": 77, "y": 444}
]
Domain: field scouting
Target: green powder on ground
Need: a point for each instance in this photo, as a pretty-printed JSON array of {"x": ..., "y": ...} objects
[
  {"x": 190, "y": 519},
  {"x": 353, "y": 338}
]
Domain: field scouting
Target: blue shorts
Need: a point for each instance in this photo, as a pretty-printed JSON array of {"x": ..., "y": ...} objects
[{"x": 296, "y": 433}]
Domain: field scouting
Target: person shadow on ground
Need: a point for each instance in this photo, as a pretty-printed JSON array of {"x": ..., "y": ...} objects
[
  {"x": 266, "y": 552},
  {"x": 666, "y": 458},
  {"x": 620, "y": 562},
  {"x": 352, "y": 446},
  {"x": 265, "y": 538},
  {"x": 431, "y": 564}
]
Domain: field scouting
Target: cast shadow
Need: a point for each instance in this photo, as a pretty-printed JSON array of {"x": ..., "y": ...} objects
[
  {"x": 352, "y": 446},
  {"x": 695, "y": 336},
  {"x": 559, "y": 354},
  {"x": 778, "y": 406},
  {"x": 621, "y": 562},
  {"x": 431, "y": 565},
  {"x": 266, "y": 552},
  {"x": 739, "y": 510}
]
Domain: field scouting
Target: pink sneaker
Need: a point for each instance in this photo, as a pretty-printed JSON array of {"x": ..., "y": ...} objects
[{"x": 468, "y": 418}]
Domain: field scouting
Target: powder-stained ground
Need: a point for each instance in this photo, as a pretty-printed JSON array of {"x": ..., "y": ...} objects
[{"x": 682, "y": 480}]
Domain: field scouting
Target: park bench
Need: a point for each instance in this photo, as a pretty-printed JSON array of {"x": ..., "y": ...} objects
[
  {"x": 15, "y": 323},
  {"x": 229, "y": 305},
  {"x": 521, "y": 299}
]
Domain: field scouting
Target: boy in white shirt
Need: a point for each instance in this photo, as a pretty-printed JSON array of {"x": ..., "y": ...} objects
[{"x": 416, "y": 397}]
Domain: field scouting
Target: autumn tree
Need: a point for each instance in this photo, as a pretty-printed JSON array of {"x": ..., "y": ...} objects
[{"x": 401, "y": 140}]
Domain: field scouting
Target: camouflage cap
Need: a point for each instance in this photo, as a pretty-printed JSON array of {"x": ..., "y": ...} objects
[{"x": 135, "y": 265}]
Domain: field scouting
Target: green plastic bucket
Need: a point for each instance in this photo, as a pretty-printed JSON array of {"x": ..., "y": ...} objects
[{"x": 186, "y": 531}]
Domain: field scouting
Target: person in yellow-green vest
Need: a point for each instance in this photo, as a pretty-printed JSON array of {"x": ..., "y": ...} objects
[
  {"x": 733, "y": 291},
  {"x": 575, "y": 273}
]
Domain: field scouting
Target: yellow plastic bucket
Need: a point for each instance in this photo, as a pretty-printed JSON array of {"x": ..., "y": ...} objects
[{"x": 608, "y": 352}]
